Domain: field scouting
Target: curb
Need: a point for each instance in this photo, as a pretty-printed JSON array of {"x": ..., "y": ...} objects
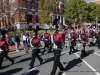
[{"x": 14, "y": 52}]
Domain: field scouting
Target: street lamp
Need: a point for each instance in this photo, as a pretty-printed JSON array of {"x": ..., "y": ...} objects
[
  {"x": 74, "y": 24},
  {"x": 96, "y": 22}
]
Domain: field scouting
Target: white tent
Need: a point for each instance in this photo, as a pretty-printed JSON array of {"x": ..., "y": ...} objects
[{"x": 45, "y": 26}]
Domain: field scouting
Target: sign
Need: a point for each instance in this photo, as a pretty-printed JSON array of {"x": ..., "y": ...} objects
[{"x": 22, "y": 16}]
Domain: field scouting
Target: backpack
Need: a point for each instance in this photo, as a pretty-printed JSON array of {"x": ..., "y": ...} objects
[
  {"x": 91, "y": 32},
  {"x": 57, "y": 43},
  {"x": 74, "y": 35},
  {"x": 33, "y": 44},
  {"x": 83, "y": 36},
  {"x": 46, "y": 35}
]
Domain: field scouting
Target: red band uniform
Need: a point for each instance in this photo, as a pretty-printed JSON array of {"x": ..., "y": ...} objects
[
  {"x": 4, "y": 47},
  {"x": 84, "y": 38},
  {"x": 91, "y": 34},
  {"x": 58, "y": 41},
  {"x": 36, "y": 44},
  {"x": 47, "y": 41},
  {"x": 73, "y": 43}
]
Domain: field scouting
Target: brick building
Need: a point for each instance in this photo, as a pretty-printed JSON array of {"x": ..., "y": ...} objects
[{"x": 25, "y": 13}]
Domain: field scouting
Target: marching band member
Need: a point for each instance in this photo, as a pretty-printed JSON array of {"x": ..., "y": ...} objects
[
  {"x": 57, "y": 42},
  {"x": 91, "y": 35},
  {"x": 47, "y": 41},
  {"x": 73, "y": 43},
  {"x": 36, "y": 44},
  {"x": 68, "y": 39},
  {"x": 64, "y": 35},
  {"x": 3, "y": 53},
  {"x": 84, "y": 39},
  {"x": 42, "y": 43},
  {"x": 98, "y": 38}
]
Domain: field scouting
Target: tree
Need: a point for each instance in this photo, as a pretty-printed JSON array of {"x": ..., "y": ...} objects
[
  {"x": 7, "y": 11},
  {"x": 47, "y": 7},
  {"x": 9, "y": 8},
  {"x": 2, "y": 10},
  {"x": 74, "y": 10},
  {"x": 93, "y": 12}
]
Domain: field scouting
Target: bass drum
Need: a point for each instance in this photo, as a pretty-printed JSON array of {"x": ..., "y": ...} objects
[
  {"x": 90, "y": 39},
  {"x": 79, "y": 46},
  {"x": 94, "y": 40},
  {"x": 67, "y": 43},
  {"x": 42, "y": 44}
]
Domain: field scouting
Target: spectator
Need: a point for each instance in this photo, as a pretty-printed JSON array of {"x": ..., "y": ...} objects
[
  {"x": 24, "y": 41},
  {"x": 17, "y": 42}
]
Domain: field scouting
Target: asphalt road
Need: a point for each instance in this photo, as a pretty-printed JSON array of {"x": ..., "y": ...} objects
[{"x": 90, "y": 65}]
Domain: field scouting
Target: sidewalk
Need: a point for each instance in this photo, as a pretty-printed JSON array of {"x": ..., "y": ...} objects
[{"x": 13, "y": 50}]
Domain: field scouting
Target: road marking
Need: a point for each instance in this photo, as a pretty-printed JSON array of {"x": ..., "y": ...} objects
[
  {"x": 90, "y": 51},
  {"x": 97, "y": 54},
  {"x": 97, "y": 51},
  {"x": 88, "y": 65},
  {"x": 43, "y": 62}
]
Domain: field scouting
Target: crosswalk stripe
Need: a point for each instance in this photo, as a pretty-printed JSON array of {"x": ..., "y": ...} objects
[
  {"x": 88, "y": 65},
  {"x": 97, "y": 54}
]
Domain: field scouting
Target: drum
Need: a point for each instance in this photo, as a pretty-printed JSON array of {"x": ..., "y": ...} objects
[
  {"x": 37, "y": 48},
  {"x": 55, "y": 47},
  {"x": 79, "y": 37},
  {"x": 1, "y": 50},
  {"x": 42, "y": 44},
  {"x": 94, "y": 40},
  {"x": 68, "y": 43},
  {"x": 79, "y": 46},
  {"x": 90, "y": 39}
]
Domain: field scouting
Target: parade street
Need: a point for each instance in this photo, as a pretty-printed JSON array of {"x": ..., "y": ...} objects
[{"x": 90, "y": 65}]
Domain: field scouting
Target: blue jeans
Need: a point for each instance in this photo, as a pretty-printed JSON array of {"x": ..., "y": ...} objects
[{"x": 17, "y": 46}]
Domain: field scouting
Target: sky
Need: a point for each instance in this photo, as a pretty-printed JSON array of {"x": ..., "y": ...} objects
[{"x": 89, "y": 0}]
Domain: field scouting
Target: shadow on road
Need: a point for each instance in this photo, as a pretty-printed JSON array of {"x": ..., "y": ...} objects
[
  {"x": 16, "y": 57},
  {"x": 73, "y": 63},
  {"x": 10, "y": 72},
  {"x": 52, "y": 58},
  {"x": 23, "y": 60},
  {"x": 19, "y": 56},
  {"x": 89, "y": 52},
  {"x": 34, "y": 72},
  {"x": 3, "y": 67}
]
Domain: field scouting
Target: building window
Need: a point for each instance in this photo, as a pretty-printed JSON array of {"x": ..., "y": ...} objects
[
  {"x": 63, "y": 8},
  {"x": 28, "y": 3},
  {"x": 29, "y": 6},
  {"x": 29, "y": 19},
  {"x": 58, "y": 17},
  {"x": 37, "y": 19},
  {"x": 35, "y": 1},
  {"x": 61, "y": 20},
  {"x": 36, "y": 4}
]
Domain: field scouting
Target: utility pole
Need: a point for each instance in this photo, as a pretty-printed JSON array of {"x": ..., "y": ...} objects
[{"x": 96, "y": 22}]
